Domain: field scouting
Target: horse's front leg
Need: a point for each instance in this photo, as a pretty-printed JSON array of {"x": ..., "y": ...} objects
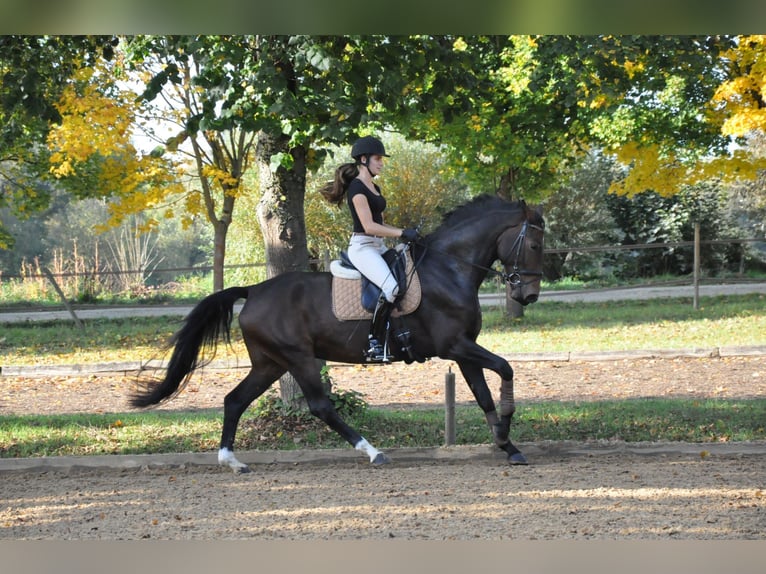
[{"x": 499, "y": 426}]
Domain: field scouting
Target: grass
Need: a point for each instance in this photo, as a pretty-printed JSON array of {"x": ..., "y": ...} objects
[
  {"x": 630, "y": 325},
  {"x": 697, "y": 421},
  {"x": 546, "y": 326}
]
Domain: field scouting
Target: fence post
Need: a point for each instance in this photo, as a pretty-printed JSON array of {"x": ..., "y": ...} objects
[
  {"x": 63, "y": 298},
  {"x": 449, "y": 408},
  {"x": 696, "y": 266}
]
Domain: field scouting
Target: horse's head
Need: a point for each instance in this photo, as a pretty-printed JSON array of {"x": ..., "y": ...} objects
[{"x": 520, "y": 249}]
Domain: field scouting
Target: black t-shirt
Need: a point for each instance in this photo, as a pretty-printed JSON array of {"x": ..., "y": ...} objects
[{"x": 377, "y": 203}]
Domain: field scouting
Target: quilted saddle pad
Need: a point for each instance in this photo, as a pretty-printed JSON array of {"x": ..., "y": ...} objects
[{"x": 347, "y": 297}]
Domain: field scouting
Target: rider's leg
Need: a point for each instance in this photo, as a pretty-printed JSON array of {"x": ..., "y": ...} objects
[
  {"x": 366, "y": 255},
  {"x": 378, "y": 331}
]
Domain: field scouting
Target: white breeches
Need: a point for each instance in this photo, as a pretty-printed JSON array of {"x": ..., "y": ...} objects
[{"x": 365, "y": 253}]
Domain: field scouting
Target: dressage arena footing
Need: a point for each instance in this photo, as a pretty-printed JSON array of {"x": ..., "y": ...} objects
[{"x": 540, "y": 452}]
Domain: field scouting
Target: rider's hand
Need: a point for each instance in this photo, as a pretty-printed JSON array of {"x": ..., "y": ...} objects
[{"x": 410, "y": 234}]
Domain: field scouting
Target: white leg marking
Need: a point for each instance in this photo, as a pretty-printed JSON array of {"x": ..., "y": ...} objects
[
  {"x": 226, "y": 457},
  {"x": 371, "y": 451}
]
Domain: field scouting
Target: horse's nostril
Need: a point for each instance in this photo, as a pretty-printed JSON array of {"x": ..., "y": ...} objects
[{"x": 531, "y": 298}]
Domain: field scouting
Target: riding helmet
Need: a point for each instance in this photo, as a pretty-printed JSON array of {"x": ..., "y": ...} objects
[{"x": 368, "y": 145}]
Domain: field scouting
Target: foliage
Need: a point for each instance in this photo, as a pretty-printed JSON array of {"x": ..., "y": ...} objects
[
  {"x": 271, "y": 406},
  {"x": 532, "y": 104},
  {"x": 650, "y": 218},
  {"x": 245, "y": 249},
  {"x": 735, "y": 108},
  {"x": 98, "y": 266},
  {"x": 747, "y": 198},
  {"x": 576, "y": 216},
  {"x": 33, "y": 72},
  {"x": 742, "y": 108},
  {"x": 508, "y": 112}
]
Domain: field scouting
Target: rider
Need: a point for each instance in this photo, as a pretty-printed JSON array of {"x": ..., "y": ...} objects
[{"x": 366, "y": 246}]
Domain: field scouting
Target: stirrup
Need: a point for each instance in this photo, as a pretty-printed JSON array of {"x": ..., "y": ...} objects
[{"x": 377, "y": 353}]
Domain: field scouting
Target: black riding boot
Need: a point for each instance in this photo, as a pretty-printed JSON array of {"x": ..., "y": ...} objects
[{"x": 376, "y": 353}]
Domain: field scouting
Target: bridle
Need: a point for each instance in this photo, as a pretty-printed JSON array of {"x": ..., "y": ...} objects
[{"x": 514, "y": 278}]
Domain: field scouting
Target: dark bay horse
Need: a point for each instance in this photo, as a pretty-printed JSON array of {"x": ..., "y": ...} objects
[{"x": 287, "y": 322}]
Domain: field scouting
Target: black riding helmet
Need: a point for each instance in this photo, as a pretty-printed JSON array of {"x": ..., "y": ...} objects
[{"x": 367, "y": 146}]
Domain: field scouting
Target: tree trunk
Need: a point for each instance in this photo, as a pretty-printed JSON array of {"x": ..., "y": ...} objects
[
  {"x": 513, "y": 308},
  {"x": 219, "y": 253},
  {"x": 281, "y": 216}
]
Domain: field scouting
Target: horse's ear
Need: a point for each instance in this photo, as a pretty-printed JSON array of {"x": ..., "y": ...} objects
[{"x": 539, "y": 210}]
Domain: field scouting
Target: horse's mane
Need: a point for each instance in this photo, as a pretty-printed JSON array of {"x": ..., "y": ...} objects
[{"x": 477, "y": 206}]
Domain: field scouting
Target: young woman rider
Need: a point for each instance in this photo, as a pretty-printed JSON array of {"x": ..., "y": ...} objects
[{"x": 366, "y": 246}]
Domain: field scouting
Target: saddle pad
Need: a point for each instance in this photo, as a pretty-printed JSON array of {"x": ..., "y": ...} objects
[{"x": 347, "y": 297}]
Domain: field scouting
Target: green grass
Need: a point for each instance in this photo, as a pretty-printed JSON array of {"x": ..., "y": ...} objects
[
  {"x": 696, "y": 421},
  {"x": 629, "y": 325},
  {"x": 546, "y": 326}
]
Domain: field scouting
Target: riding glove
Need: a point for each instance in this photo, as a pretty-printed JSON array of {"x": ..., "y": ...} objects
[{"x": 410, "y": 234}]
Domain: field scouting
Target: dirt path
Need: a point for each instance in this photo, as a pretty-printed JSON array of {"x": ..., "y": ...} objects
[
  {"x": 619, "y": 494},
  {"x": 616, "y": 496}
]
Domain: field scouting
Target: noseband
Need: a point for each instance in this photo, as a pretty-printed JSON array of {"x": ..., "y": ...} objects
[{"x": 514, "y": 278}]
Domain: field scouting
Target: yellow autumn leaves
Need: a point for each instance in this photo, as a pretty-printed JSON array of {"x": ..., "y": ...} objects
[
  {"x": 94, "y": 137},
  {"x": 742, "y": 98},
  {"x": 738, "y": 107}
]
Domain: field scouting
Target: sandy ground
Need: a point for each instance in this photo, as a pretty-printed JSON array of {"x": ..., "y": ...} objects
[{"x": 613, "y": 494}]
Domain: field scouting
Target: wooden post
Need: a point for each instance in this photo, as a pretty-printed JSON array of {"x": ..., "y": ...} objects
[
  {"x": 449, "y": 408},
  {"x": 50, "y": 277},
  {"x": 697, "y": 265}
]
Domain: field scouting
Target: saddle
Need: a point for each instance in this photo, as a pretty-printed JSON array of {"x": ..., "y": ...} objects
[{"x": 355, "y": 297}]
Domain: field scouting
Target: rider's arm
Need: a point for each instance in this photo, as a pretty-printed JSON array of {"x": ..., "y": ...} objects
[{"x": 365, "y": 217}]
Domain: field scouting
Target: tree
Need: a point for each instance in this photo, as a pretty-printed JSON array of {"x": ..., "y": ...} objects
[
  {"x": 576, "y": 215},
  {"x": 186, "y": 75},
  {"x": 537, "y": 103},
  {"x": 92, "y": 151},
  {"x": 33, "y": 72}
]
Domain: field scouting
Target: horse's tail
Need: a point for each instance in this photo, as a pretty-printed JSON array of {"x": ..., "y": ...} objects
[{"x": 203, "y": 326}]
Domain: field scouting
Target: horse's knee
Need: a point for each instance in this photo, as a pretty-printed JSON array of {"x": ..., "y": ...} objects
[
  {"x": 322, "y": 408},
  {"x": 505, "y": 371}
]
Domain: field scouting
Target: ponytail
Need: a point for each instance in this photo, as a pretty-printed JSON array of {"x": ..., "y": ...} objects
[{"x": 334, "y": 191}]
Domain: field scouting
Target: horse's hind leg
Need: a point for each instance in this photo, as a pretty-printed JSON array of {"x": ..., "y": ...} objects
[
  {"x": 308, "y": 377},
  {"x": 236, "y": 402}
]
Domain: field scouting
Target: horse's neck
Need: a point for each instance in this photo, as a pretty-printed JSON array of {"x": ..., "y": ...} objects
[{"x": 473, "y": 244}]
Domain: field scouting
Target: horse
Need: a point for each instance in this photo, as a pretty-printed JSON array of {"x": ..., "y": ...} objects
[{"x": 287, "y": 323}]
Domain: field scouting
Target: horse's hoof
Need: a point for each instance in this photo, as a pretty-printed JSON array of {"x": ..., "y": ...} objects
[
  {"x": 381, "y": 459},
  {"x": 244, "y": 469},
  {"x": 517, "y": 459}
]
